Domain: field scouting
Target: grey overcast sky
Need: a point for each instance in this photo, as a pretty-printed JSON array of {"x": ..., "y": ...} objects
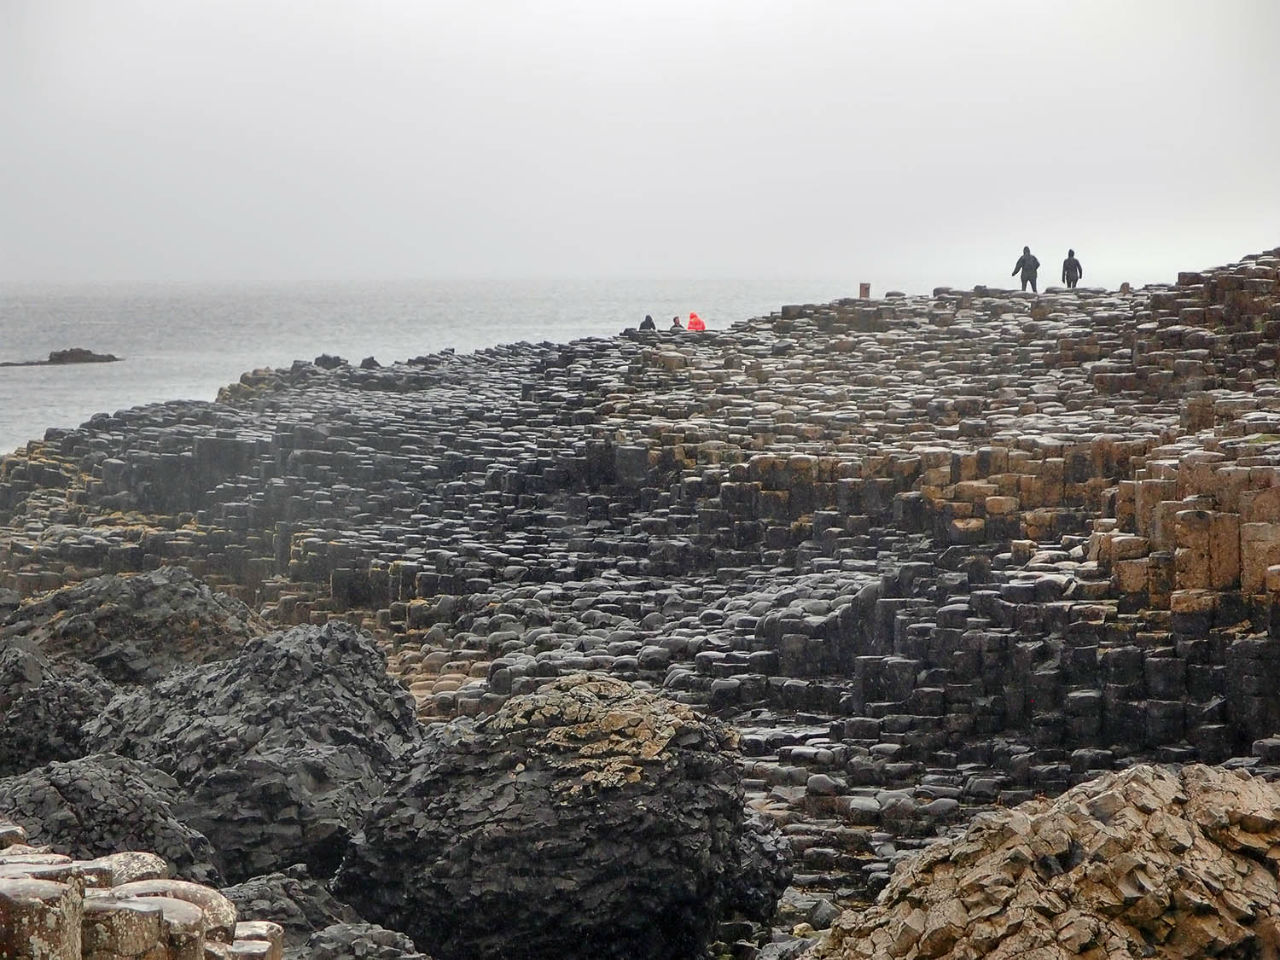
[{"x": 909, "y": 142}]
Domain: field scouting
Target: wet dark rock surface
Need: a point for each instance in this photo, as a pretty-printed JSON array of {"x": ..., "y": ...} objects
[
  {"x": 591, "y": 818},
  {"x": 928, "y": 556},
  {"x": 45, "y": 722},
  {"x": 102, "y": 804},
  {"x": 279, "y": 750},
  {"x": 299, "y": 903}
]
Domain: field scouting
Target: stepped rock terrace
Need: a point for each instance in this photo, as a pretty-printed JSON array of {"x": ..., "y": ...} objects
[{"x": 927, "y": 554}]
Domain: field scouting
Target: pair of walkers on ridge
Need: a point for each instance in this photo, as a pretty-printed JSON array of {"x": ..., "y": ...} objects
[{"x": 1027, "y": 265}]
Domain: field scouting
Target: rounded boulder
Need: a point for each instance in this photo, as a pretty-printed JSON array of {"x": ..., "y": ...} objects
[{"x": 588, "y": 818}]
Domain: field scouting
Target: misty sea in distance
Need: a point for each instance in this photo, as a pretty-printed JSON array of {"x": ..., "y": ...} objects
[{"x": 184, "y": 342}]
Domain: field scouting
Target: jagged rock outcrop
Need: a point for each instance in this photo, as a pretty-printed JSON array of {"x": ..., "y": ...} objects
[
  {"x": 22, "y": 668},
  {"x": 103, "y": 804},
  {"x": 279, "y": 749},
  {"x": 588, "y": 819},
  {"x": 44, "y": 705},
  {"x": 293, "y": 899},
  {"x": 135, "y": 628},
  {"x": 1153, "y": 862},
  {"x": 46, "y": 722},
  {"x": 344, "y": 940}
]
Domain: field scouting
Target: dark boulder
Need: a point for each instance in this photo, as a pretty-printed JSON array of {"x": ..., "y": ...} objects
[
  {"x": 104, "y": 804},
  {"x": 292, "y": 899},
  {"x": 280, "y": 749},
  {"x": 586, "y": 819},
  {"x": 136, "y": 628}
]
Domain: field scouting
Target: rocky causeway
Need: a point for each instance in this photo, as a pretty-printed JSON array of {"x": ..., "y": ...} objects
[{"x": 923, "y": 626}]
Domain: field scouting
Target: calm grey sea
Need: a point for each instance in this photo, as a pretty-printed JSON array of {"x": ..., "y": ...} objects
[{"x": 184, "y": 342}]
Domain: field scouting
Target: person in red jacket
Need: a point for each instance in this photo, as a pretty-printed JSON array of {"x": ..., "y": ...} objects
[{"x": 695, "y": 322}]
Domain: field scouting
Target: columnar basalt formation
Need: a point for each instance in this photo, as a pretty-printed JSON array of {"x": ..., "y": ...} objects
[
  {"x": 926, "y": 554},
  {"x": 1150, "y": 862},
  {"x": 123, "y": 905}
]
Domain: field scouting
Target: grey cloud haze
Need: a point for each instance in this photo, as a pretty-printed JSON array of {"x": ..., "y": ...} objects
[{"x": 907, "y": 143}]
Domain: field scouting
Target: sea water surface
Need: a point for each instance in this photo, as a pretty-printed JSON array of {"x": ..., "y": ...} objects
[{"x": 184, "y": 342}]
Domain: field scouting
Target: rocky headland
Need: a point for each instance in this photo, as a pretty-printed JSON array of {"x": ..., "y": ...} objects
[{"x": 663, "y": 643}]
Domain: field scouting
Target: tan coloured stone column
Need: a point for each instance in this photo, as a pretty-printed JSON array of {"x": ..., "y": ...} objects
[
  {"x": 1259, "y": 549},
  {"x": 124, "y": 928},
  {"x": 1191, "y": 558},
  {"x": 219, "y": 912},
  {"x": 1224, "y": 551},
  {"x": 39, "y": 920}
]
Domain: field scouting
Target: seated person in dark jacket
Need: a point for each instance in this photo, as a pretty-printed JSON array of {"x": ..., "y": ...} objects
[{"x": 647, "y": 323}]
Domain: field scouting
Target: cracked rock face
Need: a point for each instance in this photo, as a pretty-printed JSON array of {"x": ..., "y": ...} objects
[
  {"x": 291, "y": 898},
  {"x": 103, "y": 804},
  {"x": 342, "y": 940},
  {"x": 585, "y": 819},
  {"x": 136, "y": 629},
  {"x": 1152, "y": 862},
  {"x": 46, "y": 721},
  {"x": 279, "y": 750}
]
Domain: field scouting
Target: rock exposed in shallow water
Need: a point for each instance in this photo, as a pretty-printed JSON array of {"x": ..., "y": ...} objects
[
  {"x": 103, "y": 804},
  {"x": 69, "y": 355},
  {"x": 136, "y": 628},
  {"x": 280, "y": 749},
  {"x": 1152, "y": 862},
  {"x": 585, "y": 819},
  {"x": 291, "y": 898},
  {"x": 80, "y": 355}
]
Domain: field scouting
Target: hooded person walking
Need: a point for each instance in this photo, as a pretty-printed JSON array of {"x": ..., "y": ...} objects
[
  {"x": 1027, "y": 265},
  {"x": 1071, "y": 269}
]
